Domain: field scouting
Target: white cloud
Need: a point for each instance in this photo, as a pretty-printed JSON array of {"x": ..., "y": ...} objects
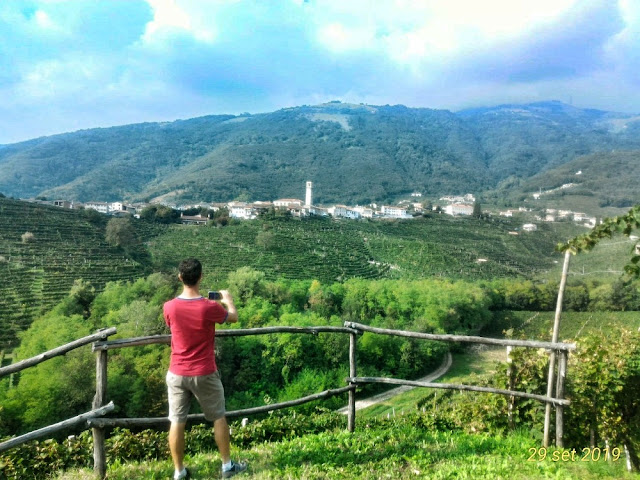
[
  {"x": 169, "y": 17},
  {"x": 422, "y": 32},
  {"x": 142, "y": 60},
  {"x": 337, "y": 38}
]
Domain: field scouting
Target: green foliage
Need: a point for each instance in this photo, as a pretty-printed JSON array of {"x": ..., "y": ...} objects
[
  {"x": 404, "y": 447},
  {"x": 160, "y": 214},
  {"x": 580, "y": 295},
  {"x": 120, "y": 232},
  {"x": 245, "y": 283},
  {"x": 41, "y": 459},
  {"x": 267, "y": 156},
  {"x": 330, "y": 251},
  {"x": 608, "y": 182},
  {"x": 59, "y": 388},
  {"x": 605, "y": 391}
]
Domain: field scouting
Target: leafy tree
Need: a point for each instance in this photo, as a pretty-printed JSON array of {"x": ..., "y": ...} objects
[
  {"x": 477, "y": 210},
  {"x": 121, "y": 232},
  {"x": 244, "y": 283},
  {"x": 60, "y": 387},
  {"x": 221, "y": 217},
  {"x": 93, "y": 216},
  {"x": 28, "y": 237},
  {"x": 160, "y": 214},
  {"x": 266, "y": 239}
]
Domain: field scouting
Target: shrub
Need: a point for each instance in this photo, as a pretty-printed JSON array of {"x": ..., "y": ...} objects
[{"x": 28, "y": 237}]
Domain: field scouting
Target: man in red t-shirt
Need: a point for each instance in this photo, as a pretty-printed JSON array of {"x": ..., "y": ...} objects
[{"x": 193, "y": 371}]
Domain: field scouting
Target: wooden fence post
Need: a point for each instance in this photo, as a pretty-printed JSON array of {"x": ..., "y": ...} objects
[
  {"x": 554, "y": 339},
  {"x": 351, "y": 415},
  {"x": 99, "y": 455},
  {"x": 562, "y": 373},
  {"x": 510, "y": 386}
]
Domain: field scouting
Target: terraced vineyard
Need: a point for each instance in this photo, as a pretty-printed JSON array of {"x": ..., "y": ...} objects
[
  {"x": 334, "y": 250},
  {"x": 312, "y": 248},
  {"x": 37, "y": 272},
  {"x": 67, "y": 245}
]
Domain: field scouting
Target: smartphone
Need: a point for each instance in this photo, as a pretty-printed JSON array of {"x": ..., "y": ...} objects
[{"x": 215, "y": 296}]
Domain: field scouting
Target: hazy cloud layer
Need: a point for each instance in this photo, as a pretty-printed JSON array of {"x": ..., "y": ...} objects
[{"x": 72, "y": 64}]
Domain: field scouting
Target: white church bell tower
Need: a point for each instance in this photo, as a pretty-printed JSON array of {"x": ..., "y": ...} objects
[{"x": 309, "y": 196}]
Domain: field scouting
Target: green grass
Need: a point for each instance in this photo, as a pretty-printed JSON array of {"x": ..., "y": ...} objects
[{"x": 395, "y": 449}]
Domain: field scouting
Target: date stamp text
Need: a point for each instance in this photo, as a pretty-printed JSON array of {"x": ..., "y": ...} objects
[{"x": 595, "y": 454}]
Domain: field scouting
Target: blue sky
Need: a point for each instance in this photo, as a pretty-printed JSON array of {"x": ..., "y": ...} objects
[{"x": 67, "y": 65}]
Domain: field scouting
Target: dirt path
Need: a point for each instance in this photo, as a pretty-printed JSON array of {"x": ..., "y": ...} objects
[{"x": 382, "y": 397}]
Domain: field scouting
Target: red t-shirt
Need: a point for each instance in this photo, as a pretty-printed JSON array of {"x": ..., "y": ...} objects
[{"x": 192, "y": 323}]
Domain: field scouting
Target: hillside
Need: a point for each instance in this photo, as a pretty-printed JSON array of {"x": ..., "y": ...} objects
[
  {"x": 37, "y": 270},
  {"x": 600, "y": 181},
  {"x": 352, "y": 153},
  {"x": 67, "y": 245},
  {"x": 333, "y": 250}
]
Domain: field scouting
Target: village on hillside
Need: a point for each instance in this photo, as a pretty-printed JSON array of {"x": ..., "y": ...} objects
[{"x": 453, "y": 205}]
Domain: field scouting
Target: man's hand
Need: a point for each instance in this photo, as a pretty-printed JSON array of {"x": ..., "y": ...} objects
[{"x": 232, "y": 312}]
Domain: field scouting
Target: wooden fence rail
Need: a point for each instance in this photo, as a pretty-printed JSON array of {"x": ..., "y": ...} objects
[
  {"x": 199, "y": 417},
  {"x": 47, "y": 431},
  {"x": 453, "y": 386},
  {"x": 561, "y": 346},
  {"x": 101, "y": 346},
  {"x": 236, "y": 332},
  {"x": 30, "y": 362}
]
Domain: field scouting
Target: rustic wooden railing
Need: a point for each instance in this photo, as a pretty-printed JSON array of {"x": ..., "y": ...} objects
[
  {"x": 101, "y": 346},
  {"x": 72, "y": 422},
  {"x": 101, "y": 349}
]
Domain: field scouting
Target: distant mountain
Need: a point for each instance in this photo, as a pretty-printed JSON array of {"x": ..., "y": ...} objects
[
  {"x": 352, "y": 153},
  {"x": 607, "y": 179}
]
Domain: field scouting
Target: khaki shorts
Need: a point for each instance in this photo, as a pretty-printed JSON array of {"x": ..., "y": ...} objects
[{"x": 207, "y": 389}]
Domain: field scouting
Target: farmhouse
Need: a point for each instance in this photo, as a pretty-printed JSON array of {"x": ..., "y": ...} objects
[
  {"x": 343, "y": 211},
  {"x": 241, "y": 210},
  {"x": 389, "y": 211},
  {"x": 529, "y": 227},
  {"x": 193, "y": 220},
  {"x": 365, "y": 212},
  {"x": 102, "y": 207},
  {"x": 458, "y": 209},
  {"x": 62, "y": 204}
]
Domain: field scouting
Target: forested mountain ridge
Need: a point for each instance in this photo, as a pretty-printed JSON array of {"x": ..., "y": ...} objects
[
  {"x": 603, "y": 180},
  {"x": 352, "y": 153}
]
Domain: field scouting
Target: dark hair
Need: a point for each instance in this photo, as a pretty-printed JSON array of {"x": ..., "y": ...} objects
[{"x": 190, "y": 271}]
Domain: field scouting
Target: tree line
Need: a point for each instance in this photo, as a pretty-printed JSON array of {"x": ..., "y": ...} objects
[{"x": 269, "y": 368}]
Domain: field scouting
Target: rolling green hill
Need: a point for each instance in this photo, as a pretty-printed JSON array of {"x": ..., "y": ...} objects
[
  {"x": 352, "y": 153},
  {"x": 37, "y": 270},
  {"x": 66, "y": 245},
  {"x": 601, "y": 182},
  {"x": 334, "y": 250}
]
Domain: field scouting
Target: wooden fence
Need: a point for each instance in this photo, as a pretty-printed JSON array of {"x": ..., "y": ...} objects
[
  {"x": 72, "y": 422},
  {"x": 101, "y": 346}
]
